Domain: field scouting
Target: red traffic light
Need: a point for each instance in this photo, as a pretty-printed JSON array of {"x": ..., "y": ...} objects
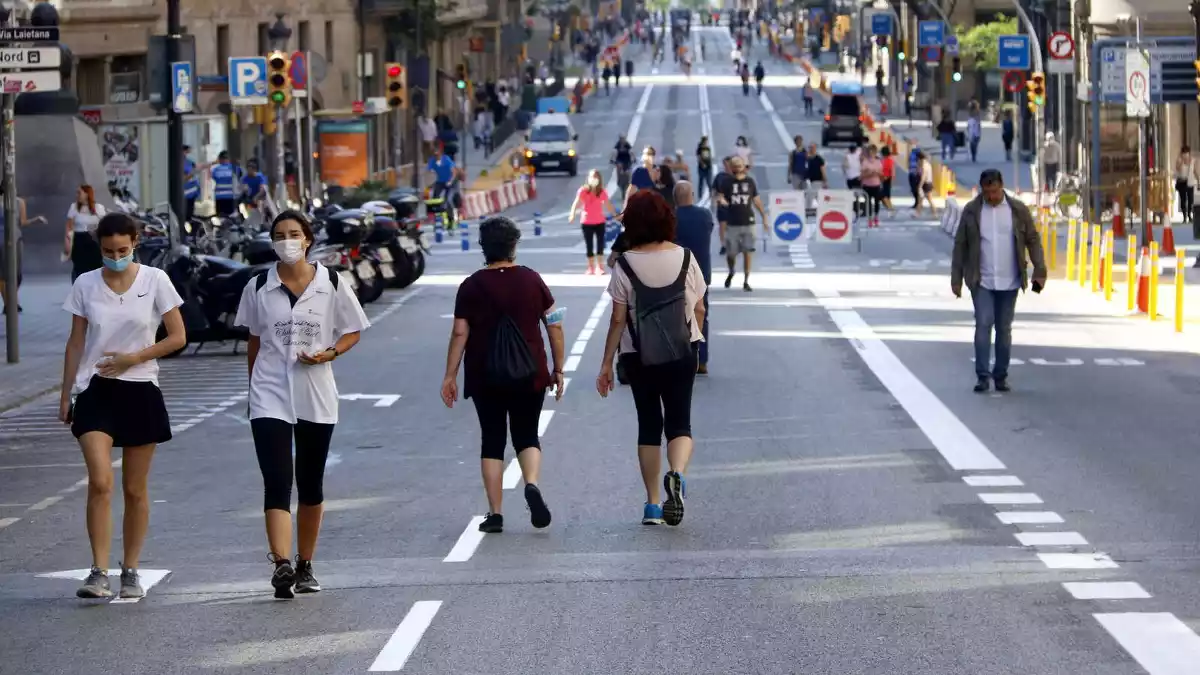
[
  {"x": 394, "y": 71},
  {"x": 277, "y": 62}
]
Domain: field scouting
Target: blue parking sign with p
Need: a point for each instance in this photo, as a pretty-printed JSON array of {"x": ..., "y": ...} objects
[{"x": 248, "y": 80}]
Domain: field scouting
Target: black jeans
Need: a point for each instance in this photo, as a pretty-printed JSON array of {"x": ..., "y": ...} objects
[
  {"x": 500, "y": 412},
  {"x": 594, "y": 233},
  {"x": 703, "y": 181},
  {"x": 914, "y": 184},
  {"x": 662, "y": 395},
  {"x": 273, "y": 445},
  {"x": 1186, "y": 197}
]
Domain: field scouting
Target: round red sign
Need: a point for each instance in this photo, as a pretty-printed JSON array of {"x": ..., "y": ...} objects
[
  {"x": 834, "y": 225},
  {"x": 1013, "y": 81}
]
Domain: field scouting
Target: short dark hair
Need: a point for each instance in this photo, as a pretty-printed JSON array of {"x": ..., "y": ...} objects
[
  {"x": 498, "y": 237},
  {"x": 991, "y": 177},
  {"x": 648, "y": 219},
  {"x": 115, "y": 225},
  {"x": 300, "y": 218}
]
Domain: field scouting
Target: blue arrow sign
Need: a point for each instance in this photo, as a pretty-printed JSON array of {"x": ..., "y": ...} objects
[
  {"x": 881, "y": 24},
  {"x": 788, "y": 226},
  {"x": 1013, "y": 52},
  {"x": 932, "y": 34}
]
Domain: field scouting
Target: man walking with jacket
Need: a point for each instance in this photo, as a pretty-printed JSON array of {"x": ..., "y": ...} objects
[
  {"x": 693, "y": 231},
  {"x": 994, "y": 240}
]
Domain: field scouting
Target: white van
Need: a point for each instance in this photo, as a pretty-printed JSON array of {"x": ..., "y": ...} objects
[{"x": 550, "y": 144}]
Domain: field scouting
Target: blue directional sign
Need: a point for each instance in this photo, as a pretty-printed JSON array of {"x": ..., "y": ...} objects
[
  {"x": 881, "y": 24},
  {"x": 248, "y": 80},
  {"x": 788, "y": 226},
  {"x": 931, "y": 34},
  {"x": 1014, "y": 52},
  {"x": 182, "y": 90}
]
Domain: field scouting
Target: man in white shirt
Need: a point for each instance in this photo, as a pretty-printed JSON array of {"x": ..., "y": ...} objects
[
  {"x": 852, "y": 167},
  {"x": 1051, "y": 159},
  {"x": 995, "y": 238},
  {"x": 429, "y": 133}
]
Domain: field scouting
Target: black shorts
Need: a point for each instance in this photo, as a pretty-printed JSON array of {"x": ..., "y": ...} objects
[
  {"x": 722, "y": 214},
  {"x": 225, "y": 207},
  {"x": 887, "y": 188},
  {"x": 131, "y": 413}
]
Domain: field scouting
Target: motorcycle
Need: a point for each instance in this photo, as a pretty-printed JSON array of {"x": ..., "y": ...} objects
[
  {"x": 211, "y": 288},
  {"x": 349, "y": 228}
]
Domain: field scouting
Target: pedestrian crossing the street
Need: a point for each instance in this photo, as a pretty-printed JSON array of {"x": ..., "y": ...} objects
[{"x": 195, "y": 388}]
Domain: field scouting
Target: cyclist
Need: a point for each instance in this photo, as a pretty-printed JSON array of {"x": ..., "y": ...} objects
[
  {"x": 444, "y": 176},
  {"x": 759, "y": 74},
  {"x": 622, "y": 158}
]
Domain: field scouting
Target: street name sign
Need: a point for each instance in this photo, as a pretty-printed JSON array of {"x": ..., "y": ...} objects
[
  {"x": 14, "y": 58},
  {"x": 30, "y": 82},
  {"x": 931, "y": 34},
  {"x": 29, "y": 34},
  {"x": 1013, "y": 52}
]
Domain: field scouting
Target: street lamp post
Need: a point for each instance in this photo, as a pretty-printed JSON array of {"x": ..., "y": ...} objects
[
  {"x": 12, "y": 212},
  {"x": 175, "y": 130},
  {"x": 278, "y": 35}
]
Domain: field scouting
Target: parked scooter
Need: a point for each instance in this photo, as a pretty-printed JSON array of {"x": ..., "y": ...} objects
[{"x": 211, "y": 288}]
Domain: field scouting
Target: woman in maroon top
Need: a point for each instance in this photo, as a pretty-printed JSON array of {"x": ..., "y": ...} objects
[{"x": 486, "y": 301}]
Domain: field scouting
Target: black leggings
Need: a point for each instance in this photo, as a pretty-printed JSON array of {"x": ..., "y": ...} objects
[
  {"x": 273, "y": 444},
  {"x": 594, "y": 233},
  {"x": 914, "y": 184},
  {"x": 499, "y": 411},
  {"x": 662, "y": 395}
]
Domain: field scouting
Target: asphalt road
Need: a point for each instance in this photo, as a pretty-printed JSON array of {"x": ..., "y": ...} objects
[{"x": 853, "y": 508}]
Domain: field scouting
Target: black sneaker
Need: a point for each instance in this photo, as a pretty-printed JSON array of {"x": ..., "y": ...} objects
[
  {"x": 729, "y": 280},
  {"x": 95, "y": 586},
  {"x": 746, "y": 286},
  {"x": 284, "y": 577},
  {"x": 305, "y": 581},
  {"x": 981, "y": 385},
  {"x": 539, "y": 513},
  {"x": 492, "y": 524},
  {"x": 1002, "y": 384},
  {"x": 672, "y": 507},
  {"x": 131, "y": 584}
]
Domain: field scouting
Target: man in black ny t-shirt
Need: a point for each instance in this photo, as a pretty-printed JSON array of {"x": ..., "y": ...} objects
[{"x": 739, "y": 195}]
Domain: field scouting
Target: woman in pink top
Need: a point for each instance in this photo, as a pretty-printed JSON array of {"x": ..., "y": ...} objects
[
  {"x": 591, "y": 202},
  {"x": 872, "y": 183}
]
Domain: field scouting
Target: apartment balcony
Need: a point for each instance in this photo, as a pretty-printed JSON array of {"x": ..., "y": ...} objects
[
  {"x": 464, "y": 10},
  {"x": 108, "y": 11}
]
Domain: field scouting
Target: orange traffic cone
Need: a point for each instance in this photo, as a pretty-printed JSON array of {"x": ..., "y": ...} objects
[
  {"x": 1118, "y": 222},
  {"x": 883, "y": 107},
  {"x": 1143, "y": 287},
  {"x": 1100, "y": 261},
  {"x": 1168, "y": 242}
]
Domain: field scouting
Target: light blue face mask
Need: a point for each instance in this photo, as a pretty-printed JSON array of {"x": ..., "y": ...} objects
[{"x": 119, "y": 264}]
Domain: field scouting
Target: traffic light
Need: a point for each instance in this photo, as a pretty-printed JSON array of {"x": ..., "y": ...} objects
[
  {"x": 1197, "y": 64},
  {"x": 1036, "y": 86},
  {"x": 462, "y": 77},
  {"x": 903, "y": 51},
  {"x": 956, "y": 73},
  {"x": 279, "y": 79},
  {"x": 557, "y": 33},
  {"x": 395, "y": 86}
]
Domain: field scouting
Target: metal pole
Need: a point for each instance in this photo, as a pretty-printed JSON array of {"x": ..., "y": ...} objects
[
  {"x": 300, "y": 185},
  {"x": 1143, "y": 169},
  {"x": 1038, "y": 66},
  {"x": 280, "y": 176},
  {"x": 12, "y": 230},
  {"x": 420, "y": 49},
  {"x": 1016, "y": 154},
  {"x": 310, "y": 158},
  {"x": 174, "y": 128}
]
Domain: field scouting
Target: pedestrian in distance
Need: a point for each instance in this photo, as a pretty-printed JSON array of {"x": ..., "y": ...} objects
[
  {"x": 995, "y": 238},
  {"x": 693, "y": 231},
  {"x": 946, "y": 132},
  {"x": 872, "y": 184},
  {"x": 590, "y": 203},
  {"x": 740, "y": 196},
  {"x": 606, "y": 75},
  {"x": 888, "y": 162},
  {"x": 720, "y": 181},
  {"x": 657, "y": 294},
  {"x": 745, "y": 79},
  {"x": 498, "y": 315},
  {"x": 1185, "y": 181},
  {"x": 225, "y": 185},
  {"x": 798, "y": 165},
  {"x": 1007, "y": 133},
  {"x": 852, "y": 167},
  {"x": 914, "y": 177},
  {"x": 25, "y": 221},
  {"x": 110, "y": 393},
  {"x": 80, "y": 243},
  {"x": 666, "y": 184},
  {"x": 1052, "y": 160},
  {"x": 816, "y": 167},
  {"x": 759, "y": 74},
  {"x": 974, "y": 134},
  {"x": 704, "y": 166},
  {"x": 807, "y": 94},
  {"x": 741, "y": 148},
  {"x": 925, "y": 171},
  {"x": 301, "y": 317}
]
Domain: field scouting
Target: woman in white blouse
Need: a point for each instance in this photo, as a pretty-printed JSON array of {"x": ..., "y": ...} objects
[
  {"x": 110, "y": 393},
  {"x": 301, "y": 317},
  {"x": 80, "y": 243}
]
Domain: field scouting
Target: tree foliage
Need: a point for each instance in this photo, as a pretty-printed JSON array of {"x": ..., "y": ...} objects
[
  {"x": 404, "y": 25},
  {"x": 980, "y": 44}
]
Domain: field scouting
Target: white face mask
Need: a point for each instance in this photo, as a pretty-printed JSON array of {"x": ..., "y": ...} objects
[
  {"x": 593, "y": 182},
  {"x": 290, "y": 251}
]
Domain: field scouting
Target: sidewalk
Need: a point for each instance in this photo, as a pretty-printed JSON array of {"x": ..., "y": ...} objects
[{"x": 44, "y": 328}]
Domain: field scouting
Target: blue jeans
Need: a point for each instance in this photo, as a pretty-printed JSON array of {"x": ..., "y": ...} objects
[
  {"x": 948, "y": 147},
  {"x": 993, "y": 309}
]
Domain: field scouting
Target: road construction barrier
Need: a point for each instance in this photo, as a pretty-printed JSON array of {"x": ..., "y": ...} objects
[
  {"x": 1131, "y": 276},
  {"x": 466, "y": 242},
  {"x": 1180, "y": 280},
  {"x": 1082, "y": 258},
  {"x": 1108, "y": 264},
  {"x": 1072, "y": 268},
  {"x": 1097, "y": 242},
  {"x": 1152, "y": 308}
]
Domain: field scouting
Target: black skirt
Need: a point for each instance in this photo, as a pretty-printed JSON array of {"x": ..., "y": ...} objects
[
  {"x": 131, "y": 413},
  {"x": 85, "y": 254}
]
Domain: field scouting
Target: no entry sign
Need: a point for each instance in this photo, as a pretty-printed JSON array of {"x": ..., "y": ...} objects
[
  {"x": 835, "y": 215},
  {"x": 1013, "y": 81}
]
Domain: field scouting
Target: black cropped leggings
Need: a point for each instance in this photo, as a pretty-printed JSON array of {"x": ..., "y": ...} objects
[
  {"x": 273, "y": 445},
  {"x": 594, "y": 233},
  {"x": 662, "y": 395},
  {"x": 501, "y": 412}
]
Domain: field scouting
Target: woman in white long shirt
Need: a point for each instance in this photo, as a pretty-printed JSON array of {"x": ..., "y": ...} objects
[
  {"x": 300, "y": 319},
  {"x": 110, "y": 393}
]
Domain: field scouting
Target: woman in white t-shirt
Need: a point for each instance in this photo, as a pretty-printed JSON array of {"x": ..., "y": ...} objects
[
  {"x": 80, "y": 242},
  {"x": 110, "y": 393},
  {"x": 301, "y": 317},
  {"x": 742, "y": 149},
  {"x": 662, "y": 389}
]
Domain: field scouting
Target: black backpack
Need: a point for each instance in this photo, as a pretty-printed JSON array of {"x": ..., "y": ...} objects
[
  {"x": 510, "y": 363},
  {"x": 658, "y": 322},
  {"x": 260, "y": 279}
]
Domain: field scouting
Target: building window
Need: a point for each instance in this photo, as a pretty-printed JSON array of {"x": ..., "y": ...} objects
[
  {"x": 222, "y": 50},
  {"x": 127, "y": 77},
  {"x": 303, "y": 38},
  {"x": 329, "y": 42},
  {"x": 89, "y": 82},
  {"x": 264, "y": 41}
]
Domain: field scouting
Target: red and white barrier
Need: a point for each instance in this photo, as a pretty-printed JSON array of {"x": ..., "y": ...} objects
[{"x": 482, "y": 203}]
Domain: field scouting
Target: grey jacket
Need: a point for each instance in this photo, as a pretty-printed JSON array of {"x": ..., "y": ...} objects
[{"x": 964, "y": 268}]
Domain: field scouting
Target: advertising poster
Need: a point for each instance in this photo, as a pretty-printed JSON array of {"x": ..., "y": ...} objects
[
  {"x": 343, "y": 152},
  {"x": 120, "y": 146}
]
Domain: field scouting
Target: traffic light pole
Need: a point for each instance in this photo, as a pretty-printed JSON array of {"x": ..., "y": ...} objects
[
  {"x": 12, "y": 215},
  {"x": 280, "y": 173},
  {"x": 1143, "y": 164},
  {"x": 174, "y": 130},
  {"x": 1038, "y": 118}
]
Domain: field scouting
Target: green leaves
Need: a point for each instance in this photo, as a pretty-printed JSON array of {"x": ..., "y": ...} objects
[{"x": 981, "y": 43}]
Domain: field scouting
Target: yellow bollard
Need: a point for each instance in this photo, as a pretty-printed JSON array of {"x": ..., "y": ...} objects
[
  {"x": 1082, "y": 258},
  {"x": 1053, "y": 254},
  {"x": 1180, "y": 277},
  {"x": 1152, "y": 310},
  {"x": 1096, "y": 241},
  {"x": 1071, "y": 267},
  {"x": 1108, "y": 265},
  {"x": 1046, "y": 225},
  {"x": 1131, "y": 271}
]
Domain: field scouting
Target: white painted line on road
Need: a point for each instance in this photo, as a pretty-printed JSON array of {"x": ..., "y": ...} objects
[
  {"x": 46, "y": 503},
  {"x": 1106, "y": 590},
  {"x": 571, "y": 364},
  {"x": 544, "y": 421},
  {"x": 578, "y": 347},
  {"x": 993, "y": 481},
  {"x": 1051, "y": 539},
  {"x": 1159, "y": 642},
  {"x": 5, "y": 522},
  {"x": 1029, "y": 517},
  {"x": 149, "y": 579},
  {"x": 467, "y": 542},
  {"x": 1009, "y": 498},
  {"x": 408, "y": 635},
  {"x": 566, "y": 383},
  {"x": 41, "y": 466},
  {"x": 512, "y": 474},
  {"x": 960, "y": 447},
  {"x": 591, "y": 324},
  {"x": 1077, "y": 561},
  {"x": 585, "y": 334},
  {"x": 395, "y": 305}
]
